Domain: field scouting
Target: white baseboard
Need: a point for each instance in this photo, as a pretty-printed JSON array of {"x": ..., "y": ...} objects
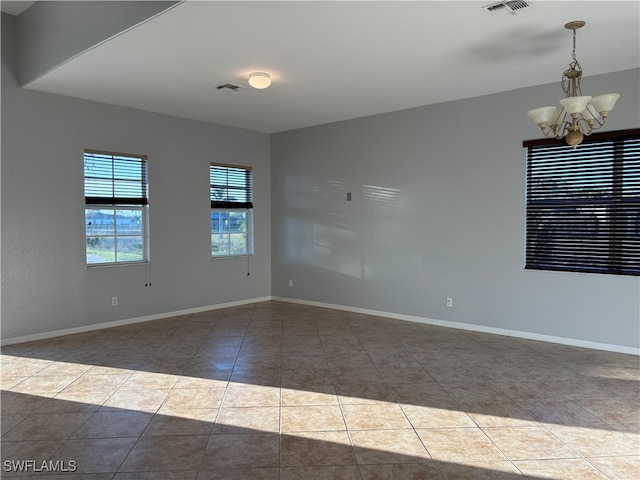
[
  {"x": 397, "y": 316},
  {"x": 128, "y": 321},
  {"x": 471, "y": 327}
]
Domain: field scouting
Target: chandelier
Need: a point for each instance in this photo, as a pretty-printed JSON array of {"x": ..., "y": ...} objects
[{"x": 578, "y": 115}]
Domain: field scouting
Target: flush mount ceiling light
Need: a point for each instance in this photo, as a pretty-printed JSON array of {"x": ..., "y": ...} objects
[
  {"x": 578, "y": 115},
  {"x": 259, "y": 80}
]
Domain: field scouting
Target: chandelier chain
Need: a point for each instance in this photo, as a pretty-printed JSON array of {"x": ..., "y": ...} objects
[{"x": 579, "y": 115}]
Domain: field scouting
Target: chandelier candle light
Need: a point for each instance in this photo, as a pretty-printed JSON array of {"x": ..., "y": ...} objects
[{"x": 578, "y": 115}]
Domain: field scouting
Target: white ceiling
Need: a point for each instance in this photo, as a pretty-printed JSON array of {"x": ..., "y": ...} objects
[{"x": 339, "y": 60}]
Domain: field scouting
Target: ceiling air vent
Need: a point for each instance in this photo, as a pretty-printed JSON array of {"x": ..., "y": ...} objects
[
  {"x": 510, "y": 6},
  {"x": 228, "y": 86}
]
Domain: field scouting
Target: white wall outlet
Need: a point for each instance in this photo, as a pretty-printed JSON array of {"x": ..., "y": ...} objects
[
  {"x": 114, "y": 301},
  {"x": 291, "y": 283},
  {"x": 449, "y": 302}
]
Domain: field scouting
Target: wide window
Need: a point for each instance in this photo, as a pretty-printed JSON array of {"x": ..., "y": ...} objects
[
  {"x": 583, "y": 204},
  {"x": 231, "y": 195},
  {"x": 116, "y": 208}
]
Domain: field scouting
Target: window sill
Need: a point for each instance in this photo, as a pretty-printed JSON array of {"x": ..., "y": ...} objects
[
  {"x": 91, "y": 266},
  {"x": 225, "y": 257}
]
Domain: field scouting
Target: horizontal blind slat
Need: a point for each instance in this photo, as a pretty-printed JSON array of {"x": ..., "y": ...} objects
[
  {"x": 115, "y": 179},
  {"x": 230, "y": 186},
  {"x": 583, "y": 206}
]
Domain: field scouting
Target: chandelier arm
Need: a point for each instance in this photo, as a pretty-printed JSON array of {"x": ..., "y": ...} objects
[
  {"x": 562, "y": 129},
  {"x": 597, "y": 125},
  {"x": 584, "y": 117},
  {"x": 597, "y": 121},
  {"x": 585, "y": 127},
  {"x": 547, "y": 131}
]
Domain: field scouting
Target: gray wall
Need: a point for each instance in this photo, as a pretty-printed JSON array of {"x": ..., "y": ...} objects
[
  {"x": 46, "y": 285},
  {"x": 437, "y": 211}
]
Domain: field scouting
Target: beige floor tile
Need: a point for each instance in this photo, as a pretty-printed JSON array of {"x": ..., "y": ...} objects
[
  {"x": 613, "y": 409},
  {"x": 247, "y": 419},
  {"x": 46, "y": 426},
  {"x": 129, "y": 369},
  {"x": 96, "y": 455},
  {"x": 307, "y": 377},
  {"x": 292, "y": 397},
  {"x": 188, "y": 398},
  {"x": 598, "y": 442},
  {"x": 23, "y": 367},
  {"x": 102, "y": 383},
  {"x": 404, "y": 471},
  {"x": 166, "y": 475},
  {"x": 355, "y": 391},
  {"x": 37, "y": 450},
  {"x": 459, "y": 444},
  {"x": 388, "y": 446},
  {"x": 312, "y": 418},
  {"x": 20, "y": 404},
  {"x": 252, "y": 396},
  {"x": 9, "y": 421},
  {"x": 619, "y": 467},
  {"x": 316, "y": 448},
  {"x": 529, "y": 443},
  {"x": 275, "y": 390},
  {"x": 7, "y": 382},
  {"x": 74, "y": 402},
  {"x": 231, "y": 473},
  {"x": 165, "y": 453},
  {"x": 559, "y": 412},
  {"x": 502, "y": 415},
  {"x": 39, "y": 384},
  {"x": 563, "y": 469},
  {"x": 139, "y": 400},
  {"x": 478, "y": 470},
  {"x": 73, "y": 476},
  {"x": 63, "y": 368},
  {"x": 244, "y": 450},
  {"x": 114, "y": 424},
  {"x": 196, "y": 421},
  {"x": 200, "y": 382},
  {"x": 149, "y": 381},
  {"x": 430, "y": 417},
  {"x": 267, "y": 377},
  {"x": 375, "y": 417},
  {"x": 347, "y": 472}
]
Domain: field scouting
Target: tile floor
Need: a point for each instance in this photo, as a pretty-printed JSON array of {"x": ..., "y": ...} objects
[{"x": 283, "y": 391}]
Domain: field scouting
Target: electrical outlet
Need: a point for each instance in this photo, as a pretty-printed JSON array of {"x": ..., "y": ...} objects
[
  {"x": 449, "y": 302},
  {"x": 291, "y": 283},
  {"x": 114, "y": 301}
]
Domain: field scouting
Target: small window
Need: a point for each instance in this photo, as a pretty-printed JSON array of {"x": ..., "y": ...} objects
[
  {"x": 231, "y": 195},
  {"x": 116, "y": 208},
  {"x": 583, "y": 205}
]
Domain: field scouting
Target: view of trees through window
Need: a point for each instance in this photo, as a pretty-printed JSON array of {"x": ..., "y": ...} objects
[
  {"x": 229, "y": 233},
  {"x": 114, "y": 235},
  {"x": 231, "y": 195},
  {"x": 115, "y": 188}
]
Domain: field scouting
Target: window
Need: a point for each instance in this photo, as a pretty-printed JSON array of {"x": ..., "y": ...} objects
[
  {"x": 231, "y": 195},
  {"x": 583, "y": 205},
  {"x": 116, "y": 208}
]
